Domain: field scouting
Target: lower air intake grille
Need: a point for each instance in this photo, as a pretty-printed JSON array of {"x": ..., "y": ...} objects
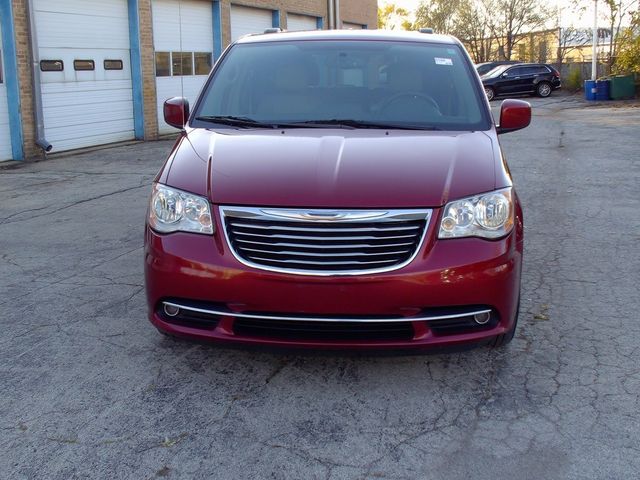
[
  {"x": 324, "y": 242},
  {"x": 288, "y": 330}
]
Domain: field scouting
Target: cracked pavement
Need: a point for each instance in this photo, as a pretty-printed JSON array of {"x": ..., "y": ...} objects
[{"x": 89, "y": 389}]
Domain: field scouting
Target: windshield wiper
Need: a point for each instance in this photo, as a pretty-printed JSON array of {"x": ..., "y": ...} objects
[
  {"x": 235, "y": 121},
  {"x": 247, "y": 122},
  {"x": 349, "y": 123}
]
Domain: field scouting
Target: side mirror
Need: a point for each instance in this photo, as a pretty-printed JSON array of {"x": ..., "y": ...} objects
[
  {"x": 176, "y": 112},
  {"x": 504, "y": 75},
  {"x": 514, "y": 115}
]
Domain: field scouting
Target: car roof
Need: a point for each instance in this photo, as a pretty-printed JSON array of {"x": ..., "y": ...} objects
[{"x": 364, "y": 34}]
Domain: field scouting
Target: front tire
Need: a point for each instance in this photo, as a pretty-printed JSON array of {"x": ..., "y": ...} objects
[
  {"x": 543, "y": 89},
  {"x": 490, "y": 92}
]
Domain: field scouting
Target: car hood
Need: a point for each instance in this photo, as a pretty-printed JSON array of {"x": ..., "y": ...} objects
[{"x": 333, "y": 168}]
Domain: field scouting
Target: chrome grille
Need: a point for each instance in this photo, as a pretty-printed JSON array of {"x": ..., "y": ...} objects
[{"x": 324, "y": 242}]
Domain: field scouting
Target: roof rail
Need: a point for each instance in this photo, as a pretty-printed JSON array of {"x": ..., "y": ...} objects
[
  {"x": 273, "y": 30},
  {"x": 426, "y": 30}
]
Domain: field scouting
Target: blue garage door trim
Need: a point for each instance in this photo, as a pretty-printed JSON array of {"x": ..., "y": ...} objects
[
  {"x": 11, "y": 80},
  {"x": 275, "y": 19},
  {"x": 136, "y": 69},
  {"x": 217, "y": 30}
]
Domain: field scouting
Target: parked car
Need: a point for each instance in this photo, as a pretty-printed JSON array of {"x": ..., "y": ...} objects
[
  {"x": 534, "y": 78},
  {"x": 337, "y": 189},
  {"x": 486, "y": 67}
]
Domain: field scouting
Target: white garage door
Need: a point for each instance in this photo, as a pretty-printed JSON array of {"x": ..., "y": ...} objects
[
  {"x": 5, "y": 132},
  {"x": 246, "y": 20},
  {"x": 301, "y": 22},
  {"x": 85, "y": 71},
  {"x": 183, "y": 41}
]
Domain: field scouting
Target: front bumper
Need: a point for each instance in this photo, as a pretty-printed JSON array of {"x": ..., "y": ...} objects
[{"x": 446, "y": 276}]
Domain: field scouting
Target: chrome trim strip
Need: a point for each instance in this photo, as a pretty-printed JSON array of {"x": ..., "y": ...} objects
[
  {"x": 322, "y": 247},
  {"x": 311, "y": 262},
  {"x": 347, "y": 216},
  {"x": 324, "y": 215},
  {"x": 322, "y": 319},
  {"x": 322, "y": 230},
  {"x": 313, "y": 254},
  {"x": 309, "y": 237}
]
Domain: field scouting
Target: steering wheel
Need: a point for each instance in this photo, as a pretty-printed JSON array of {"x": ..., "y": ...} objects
[{"x": 426, "y": 99}]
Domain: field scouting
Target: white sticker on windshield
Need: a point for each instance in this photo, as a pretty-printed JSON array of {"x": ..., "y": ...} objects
[{"x": 443, "y": 61}]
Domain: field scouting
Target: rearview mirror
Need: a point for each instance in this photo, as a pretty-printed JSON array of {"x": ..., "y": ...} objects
[
  {"x": 176, "y": 112},
  {"x": 514, "y": 115}
]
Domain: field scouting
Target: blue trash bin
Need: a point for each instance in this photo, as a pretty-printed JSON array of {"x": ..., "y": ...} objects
[
  {"x": 590, "y": 90},
  {"x": 602, "y": 89}
]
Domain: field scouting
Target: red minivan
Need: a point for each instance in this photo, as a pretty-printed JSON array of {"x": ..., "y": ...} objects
[{"x": 338, "y": 189}]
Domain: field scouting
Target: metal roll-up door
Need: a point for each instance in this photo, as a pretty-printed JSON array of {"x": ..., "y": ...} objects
[
  {"x": 183, "y": 43},
  {"x": 85, "y": 70}
]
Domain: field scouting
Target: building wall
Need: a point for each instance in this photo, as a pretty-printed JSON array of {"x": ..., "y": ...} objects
[
  {"x": 362, "y": 12},
  {"x": 23, "y": 52}
]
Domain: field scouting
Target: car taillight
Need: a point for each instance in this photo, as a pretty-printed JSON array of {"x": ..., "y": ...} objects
[{"x": 556, "y": 74}]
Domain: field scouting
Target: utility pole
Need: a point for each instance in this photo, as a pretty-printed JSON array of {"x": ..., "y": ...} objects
[{"x": 594, "y": 59}]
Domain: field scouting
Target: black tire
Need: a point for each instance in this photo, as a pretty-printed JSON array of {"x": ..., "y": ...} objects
[
  {"x": 490, "y": 93},
  {"x": 544, "y": 89},
  {"x": 504, "y": 339}
]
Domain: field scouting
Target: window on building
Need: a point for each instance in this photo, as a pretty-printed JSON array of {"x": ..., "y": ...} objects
[
  {"x": 202, "y": 62},
  {"x": 113, "y": 65},
  {"x": 84, "y": 65},
  {"x": 522, "y": 52},
  {"x": 51, "y": 65},
  {"x": 163, "y": 64},
  {"x": 182, "y": 63},
  {"x": 542, "y": 52}
]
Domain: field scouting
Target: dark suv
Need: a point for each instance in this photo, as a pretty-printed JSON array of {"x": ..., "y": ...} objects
[{"x": 535, "y": 78}]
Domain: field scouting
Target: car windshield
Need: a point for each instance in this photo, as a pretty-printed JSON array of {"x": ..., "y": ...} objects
[{"x": 374, "y": 84}]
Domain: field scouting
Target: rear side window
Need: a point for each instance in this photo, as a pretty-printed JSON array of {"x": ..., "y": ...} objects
[
  {"x": 516, "y": 71},
  {"x": 417, "y": 84}
]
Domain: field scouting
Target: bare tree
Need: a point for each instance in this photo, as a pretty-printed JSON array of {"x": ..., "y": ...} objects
[
  {"x": 571, "y": 39},
  {"x": 509, "y": 19},
  {"x": 472, "y": 27},
  {"x": 441, "y": 15}
]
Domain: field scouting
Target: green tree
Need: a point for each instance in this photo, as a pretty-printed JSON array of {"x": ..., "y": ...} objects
[
  {"x": 390, "y": 16},
  {"x": 616, "y": 11},
  {"x": 628, "y": 59}
]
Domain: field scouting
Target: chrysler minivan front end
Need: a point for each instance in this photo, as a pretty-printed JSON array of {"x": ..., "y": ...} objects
[{"x": 337, "y": 190}]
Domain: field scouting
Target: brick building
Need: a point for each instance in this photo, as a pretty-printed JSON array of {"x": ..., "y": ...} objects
[{"x": 80, "y": 73}]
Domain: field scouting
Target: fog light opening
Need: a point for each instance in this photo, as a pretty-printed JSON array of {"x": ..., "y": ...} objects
[
  {"x": 482, "y": 318},
  {"x": 170, "y": 310}
]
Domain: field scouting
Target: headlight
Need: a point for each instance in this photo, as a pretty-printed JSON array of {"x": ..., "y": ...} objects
[
  {"x": 489, "y": 216},
  {"x": 173, "y": 210}
]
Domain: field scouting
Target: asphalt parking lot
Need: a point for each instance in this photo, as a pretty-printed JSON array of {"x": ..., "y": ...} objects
[{"x": 91, "y": 390}]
